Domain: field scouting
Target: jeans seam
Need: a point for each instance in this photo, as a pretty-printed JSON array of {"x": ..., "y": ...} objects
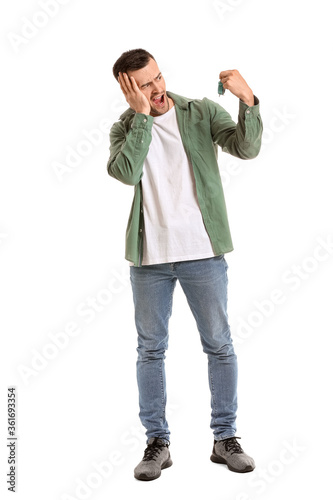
[
  {"x": 212, "y": 393},
  {"x": 171, "y": 297},
  {"x": 163, "y": 393},
  {"x": 163, "y": 416}
]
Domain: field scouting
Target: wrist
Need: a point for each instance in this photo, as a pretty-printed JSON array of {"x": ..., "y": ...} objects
[
  {"x": 143, "y": 111},
  {"x": 248, "y": 99}
]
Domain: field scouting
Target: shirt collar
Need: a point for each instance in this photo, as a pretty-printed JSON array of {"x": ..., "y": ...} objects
[{"x": 179, "y": 100}]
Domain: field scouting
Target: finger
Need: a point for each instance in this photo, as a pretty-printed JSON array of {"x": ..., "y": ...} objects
[
  {"x": 134, "y": 84},
  {"x": 223, "y": 74},
  {"x": 127, "y": 82},
  {"x": 122, "y": 83},
  {"x": 225, "y": 81}
]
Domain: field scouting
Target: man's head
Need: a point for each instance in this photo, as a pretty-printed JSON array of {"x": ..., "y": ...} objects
[
  {"x": 142, "y": 66},
  {"x": 131, "y": 60}
]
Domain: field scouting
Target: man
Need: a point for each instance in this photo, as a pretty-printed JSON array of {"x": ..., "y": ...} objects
[{"x": 165, "y": 145}]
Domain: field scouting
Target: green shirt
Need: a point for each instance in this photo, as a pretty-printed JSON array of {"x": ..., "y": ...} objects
[{"x": 204, "y": 125}]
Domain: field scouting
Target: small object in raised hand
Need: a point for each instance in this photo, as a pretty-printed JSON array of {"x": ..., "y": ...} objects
[{"x": 220, "y": 89}]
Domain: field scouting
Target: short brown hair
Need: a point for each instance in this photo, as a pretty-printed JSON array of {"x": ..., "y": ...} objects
[{"x": 131, "y": 61}]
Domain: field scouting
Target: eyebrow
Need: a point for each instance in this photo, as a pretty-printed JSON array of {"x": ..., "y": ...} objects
[{"x": 150, "y": 82}]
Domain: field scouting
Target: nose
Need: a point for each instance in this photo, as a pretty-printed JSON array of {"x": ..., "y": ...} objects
[{"x": 156, "y": 88}]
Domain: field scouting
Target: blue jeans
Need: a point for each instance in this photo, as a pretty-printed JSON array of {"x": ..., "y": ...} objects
[{"x": 204, "y": 283}]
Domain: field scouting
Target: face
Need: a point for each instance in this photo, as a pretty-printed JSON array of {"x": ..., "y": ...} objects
[{"x": 151, "y": 83}]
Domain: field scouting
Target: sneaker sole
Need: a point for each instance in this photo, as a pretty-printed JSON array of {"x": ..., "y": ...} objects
[
  {"x": 143, "y": 477},
  {"x": 219, "y": 460}
]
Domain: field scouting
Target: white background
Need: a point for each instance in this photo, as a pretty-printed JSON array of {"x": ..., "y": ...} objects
[{"x": 62, "y": 243}]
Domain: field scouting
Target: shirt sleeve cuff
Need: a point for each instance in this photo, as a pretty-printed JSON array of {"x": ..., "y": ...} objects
[
  {"x": 141, "y": 120},
  {"x": 247, "y": 111}
]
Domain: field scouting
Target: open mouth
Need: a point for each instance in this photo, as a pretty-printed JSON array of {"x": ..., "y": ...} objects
[{"x": 158, "y": 100}]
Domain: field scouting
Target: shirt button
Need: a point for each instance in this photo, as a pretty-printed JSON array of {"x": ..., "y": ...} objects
[
  {"x": 140, "y": 230},
  {"x": 145, "y": 120},
  {"x": 248, "y": 111}
]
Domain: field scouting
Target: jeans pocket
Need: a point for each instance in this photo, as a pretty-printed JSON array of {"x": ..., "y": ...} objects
[{"x": 222, "y": 259}]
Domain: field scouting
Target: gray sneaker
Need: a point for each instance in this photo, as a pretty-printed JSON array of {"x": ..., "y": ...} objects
[
  {"x": 156, "y": 457},
  {"x": 229, "y": 452}
]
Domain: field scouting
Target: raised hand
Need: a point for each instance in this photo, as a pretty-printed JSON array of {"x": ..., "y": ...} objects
[
  {"x": 232, "y": 80},
  {"x": 133, "y": 95}
]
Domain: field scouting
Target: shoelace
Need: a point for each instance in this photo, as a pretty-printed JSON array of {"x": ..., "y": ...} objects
[
  {"x": 153, "y": 449},
  {"x": 231, "y": 444}
]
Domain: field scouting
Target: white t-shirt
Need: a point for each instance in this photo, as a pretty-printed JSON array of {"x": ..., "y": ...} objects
[{"x": 173, "y": 225}]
